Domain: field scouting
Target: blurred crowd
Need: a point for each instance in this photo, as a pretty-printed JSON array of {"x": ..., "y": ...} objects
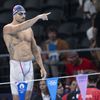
[{"x": 68, "y": 90}]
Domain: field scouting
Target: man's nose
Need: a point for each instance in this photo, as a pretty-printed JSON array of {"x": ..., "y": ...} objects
[{"x": 24, "y": 16}]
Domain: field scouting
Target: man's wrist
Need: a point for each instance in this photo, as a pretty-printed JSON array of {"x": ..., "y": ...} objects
[
  {"x": 39, "y": 17},
  {"x": 41, "y": 67}
]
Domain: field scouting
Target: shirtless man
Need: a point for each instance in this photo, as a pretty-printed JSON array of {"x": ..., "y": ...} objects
[{"x": 21, "y": 45}]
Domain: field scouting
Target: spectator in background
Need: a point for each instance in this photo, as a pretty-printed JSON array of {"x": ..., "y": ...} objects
[
  {"x": 73, "y": 93},
  {"x": 92, "y": 92},
  {"x": 73, "y": 86},
  {"x": 80, "y": 2},
  {"x": 43, "y": 93},
  {"x": 91, "y": 35},
  {"x": 76, "y": 64},
  {"x": 98, "y": 83},
  {"x": 89, "y": 8},
  {"x": 52, "y": 44},
  {"x": 97, "y": 26},
  {"x": 60, "y": 91}
]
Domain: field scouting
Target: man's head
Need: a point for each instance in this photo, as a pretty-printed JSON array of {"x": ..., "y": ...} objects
[
  {"x": 52, "y": 33},
  {"x": 97, "y": 5},
  {"x": 92, "y": 80},
  {"x": 60, "y": 90},
  {"x": 73, "y": 85},
  {"x": 73, "y": 58},
  {"x": 19, "y": 13},
  {"x": 43, "y": 86}
]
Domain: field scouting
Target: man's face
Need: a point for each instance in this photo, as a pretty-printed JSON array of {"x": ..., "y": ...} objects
[
  {"x": 73, "y": 86},
  {"x": 20, "y": 16},
  {"x": 60, "y": 89},
  {"x": 43, "y": 86},
  {"x": 73, "y": 59},
  {"x": 94, "y": 1},
  {"x": 52, "y": 35}
]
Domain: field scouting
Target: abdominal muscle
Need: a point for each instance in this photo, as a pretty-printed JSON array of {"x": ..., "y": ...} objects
[{"x": 22, "y": 51}]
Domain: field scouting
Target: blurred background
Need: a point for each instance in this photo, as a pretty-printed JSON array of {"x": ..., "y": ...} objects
[{"x": 62, "y": 40}]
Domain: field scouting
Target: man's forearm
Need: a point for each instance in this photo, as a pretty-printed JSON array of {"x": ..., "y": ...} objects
[
  {"x": 28, "y": 23},
  {"x": 38, "y": 58}
]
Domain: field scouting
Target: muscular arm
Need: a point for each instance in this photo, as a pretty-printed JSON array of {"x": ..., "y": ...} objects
[
  {"x": 36, "y": 53},
  {"x": 13, "y": 29}
]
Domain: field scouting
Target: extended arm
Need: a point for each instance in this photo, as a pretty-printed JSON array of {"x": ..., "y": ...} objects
[{"x": 13, "y": 29}]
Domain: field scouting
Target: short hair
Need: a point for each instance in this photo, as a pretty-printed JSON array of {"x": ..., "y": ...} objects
[
  {"x": 52, "y": 29},
  {"x": 92, "y": 78},
  {"x": 97, "y": 5}
]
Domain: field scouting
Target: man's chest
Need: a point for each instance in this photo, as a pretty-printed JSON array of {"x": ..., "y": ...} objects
[{"x": 25, "y": 35}]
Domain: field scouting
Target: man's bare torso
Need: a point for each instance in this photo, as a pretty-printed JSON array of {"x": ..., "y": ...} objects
[{"x": 19, "y": 45}]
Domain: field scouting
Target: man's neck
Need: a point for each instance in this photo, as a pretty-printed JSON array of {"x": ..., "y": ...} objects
[
  {"x": 79, "y": 61},
  {"x": 45, "y": 93},
  {"x": 15, "y": 23}
]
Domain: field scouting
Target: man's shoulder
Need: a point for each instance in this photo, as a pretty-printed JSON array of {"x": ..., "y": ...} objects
[
  {"x": 47, "y": 41},
  {"x": 60, "y": 39},
  {"x": 7, "y": 25},
  {"x": 94, "y": 91},
  {"x": 86, "y": 59},
  {"x": 36, "y": 97}
]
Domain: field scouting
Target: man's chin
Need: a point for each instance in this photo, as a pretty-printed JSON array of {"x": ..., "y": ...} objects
[{"x": 21, "y": 21}]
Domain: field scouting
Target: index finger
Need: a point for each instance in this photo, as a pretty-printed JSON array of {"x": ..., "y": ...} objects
[{"x": 48, "y": 13}]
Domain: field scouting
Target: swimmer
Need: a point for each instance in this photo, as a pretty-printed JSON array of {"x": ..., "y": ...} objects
[{"x": 21, "y": 45}]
